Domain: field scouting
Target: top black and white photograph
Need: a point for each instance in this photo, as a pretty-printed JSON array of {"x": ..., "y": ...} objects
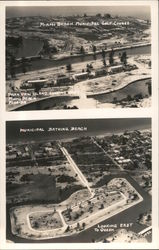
[{"x": 78, "y": 57}]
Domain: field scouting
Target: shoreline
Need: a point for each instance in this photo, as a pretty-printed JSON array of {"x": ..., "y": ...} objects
[
  {"x": 121, "y": 86},
  {"x": 76, "y": 56},
  {"x": 118, "y": 87},
  {"x": 89, "y": 230},
  {"x": 106, "y": 51}
]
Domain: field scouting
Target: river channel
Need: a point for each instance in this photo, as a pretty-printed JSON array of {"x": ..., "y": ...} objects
[
  {"x": 31, "y": 48},
  {"x": 132, "y": 89}
]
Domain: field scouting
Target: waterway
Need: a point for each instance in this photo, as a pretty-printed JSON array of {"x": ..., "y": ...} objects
[
  {"x": 83, "y": 102},
  {"x": 29, "y": 47},
  {"x": 133, "y": 89},
  {"x": 94, "y": 127},
  {"x": 128, "y": 216},
  {"x": 48, "y": 63}
]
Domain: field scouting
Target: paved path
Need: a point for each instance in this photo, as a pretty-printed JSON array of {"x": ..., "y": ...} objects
[{"x": 76, "y": 169}]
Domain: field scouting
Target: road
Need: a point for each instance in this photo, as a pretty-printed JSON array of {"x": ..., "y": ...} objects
[
  {"x": 76, "y": 169},
  {"x": 115, "y": 163}
]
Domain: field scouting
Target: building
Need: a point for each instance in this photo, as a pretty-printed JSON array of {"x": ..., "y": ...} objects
[
  {"x": 34, "y": 84},
  {"x": 63, "y": 80},
  {"x": 81, "y": 76},
  {"x": 116, "y": 69},
  {"x": 100, "y": 72}
]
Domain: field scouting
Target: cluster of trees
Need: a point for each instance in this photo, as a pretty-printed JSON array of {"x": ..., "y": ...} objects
[
  {"x": 111, "y": 57},
  {"x": 13, "y": 64},
  {"x": 123, "y": 57},
  {"x": 25, "y": 177},
  {"x": 14, "y": 41},
  {"x": 70, "y": 107},
  {"x": 69, "y": 67},
  {"x": 82, "y": 50},
  {"x": 66, "y": 178},
  {"x": 107, "y": 15},
  {"x": 78, "y": 227},
  {"x": 47, "y": 49},
  {"x": 89, "y": 67}
]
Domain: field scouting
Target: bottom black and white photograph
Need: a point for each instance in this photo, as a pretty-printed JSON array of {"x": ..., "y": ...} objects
[{"x": 79, "y": 181}]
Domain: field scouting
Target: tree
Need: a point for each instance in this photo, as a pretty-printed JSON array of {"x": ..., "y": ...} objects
[
  {"x": 103, "y": 54},
  {"x": 105, "y": 241},
  {"x": 23, "y": 64},
  {"x": 104, "y": 63},
  {"x": 114, "y": 99},
  {"x": 37, "y": 88},
  {"x": 67, "y": 229},
  {"x": 88, "y": 68},
  {"x": 107, "y": 15},
  {"x": 94, "y": 49},
  {"x": 111, "y": 57},
  {"x": 36, "y": 224},
  {"x": 83, "y": 225},
  {"x": 78, "y": 226},
  {"x": 25, "y": 178},
  {"x": 123, "y": 58},
  {"x": 99, "y": 15},
  {"x": 46, "y": 47},
  {"x": 69, "y": 67},
  {"x": 82, "y": 50},
  {"x": 129, "y": 98},
  {"x": 102, "y": 206}
]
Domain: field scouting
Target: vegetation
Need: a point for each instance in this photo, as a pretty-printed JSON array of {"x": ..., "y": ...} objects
[
  {"x": 123, "y": 58},
  {"x": 111, "y": 57},
  {"x": 82, "y": 50},
  {"x": 69, "y": 67}
]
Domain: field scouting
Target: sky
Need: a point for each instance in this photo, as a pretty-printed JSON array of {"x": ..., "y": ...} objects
[
  {"x": 142, "y": 12},
  {"x": 94, "y": 127}
]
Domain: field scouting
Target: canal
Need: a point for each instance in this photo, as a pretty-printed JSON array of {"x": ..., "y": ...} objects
[
  {"x": 139, "y": 87},
  {"x": 43, "y": 63},
  {"x": 131, "y": 90}
]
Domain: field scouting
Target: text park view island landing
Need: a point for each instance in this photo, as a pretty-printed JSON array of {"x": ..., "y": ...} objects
[
  {"x": 77, "y": 57},
  {"x": 79, "y": 181}
]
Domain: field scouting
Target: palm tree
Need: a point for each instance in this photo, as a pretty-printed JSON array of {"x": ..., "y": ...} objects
[
  {"x": 104, "y": 63},
  {"x": 82, "y": 50},
  {"x": 23, "y": 64},
  {"x": 111, "y": 57},
  {"x": 83, "y": 225},
  {"x": 94, "y": 49},
  {"x": 69, "y": 67},
  {"x": 123, "y": 58},
  {"x": 103, "y": 54}
]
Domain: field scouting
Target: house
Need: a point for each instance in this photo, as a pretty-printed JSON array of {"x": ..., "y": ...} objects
[
  {"x": 116, "y": 69},
  {"x": 38, "y": 83},
  {"x": 100, "y": 72},
  {"x": 81, "y": 76},
  {"x": 63, "y": 80}
]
